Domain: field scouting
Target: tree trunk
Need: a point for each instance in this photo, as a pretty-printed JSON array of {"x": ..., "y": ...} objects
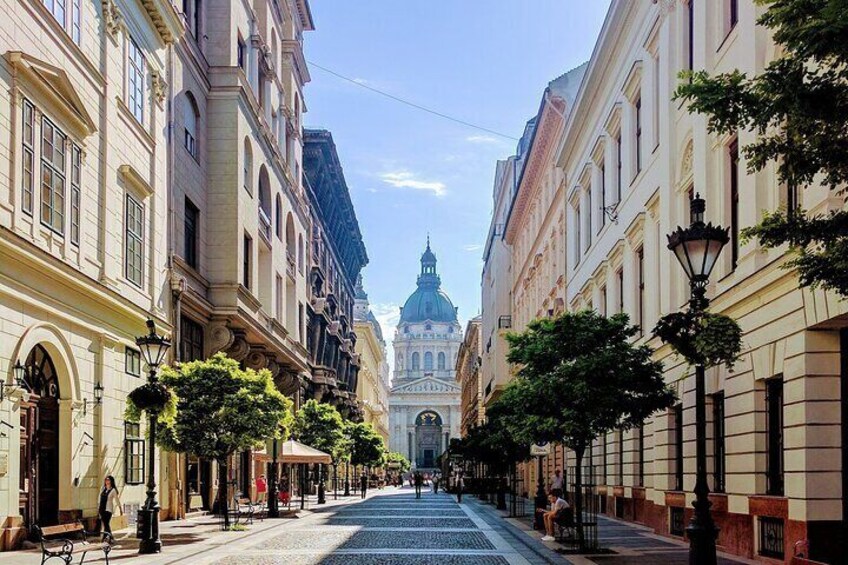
[
  {"x": 578, "y": 494},
  {"x": 223, "y": 488}
]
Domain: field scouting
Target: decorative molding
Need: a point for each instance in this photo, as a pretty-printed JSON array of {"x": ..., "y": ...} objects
[
  {"x": 113, "y": 21},
  {"x": 158, "y": 86},
  {"x": 135, "y": 180},
  {"x": 686, "y": 164}
]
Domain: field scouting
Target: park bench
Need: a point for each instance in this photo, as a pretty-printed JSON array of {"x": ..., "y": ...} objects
[
  {"x": 242, "y": 510},
  {"x": 564, "y": 524},
  {"x": 67, "y": 540}
]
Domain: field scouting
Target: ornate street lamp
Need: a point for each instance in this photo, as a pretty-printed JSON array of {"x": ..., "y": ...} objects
[
  {"x": 20, "y": 373},
  {"x": 153, "y": 348},
  {"x": 697, "y": 249}
]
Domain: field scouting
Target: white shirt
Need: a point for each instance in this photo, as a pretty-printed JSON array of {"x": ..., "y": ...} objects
[
  {"x": 111, "y": 500},
  {"x": 559, "y": 505},
  {"x": 556, "y": 482}
]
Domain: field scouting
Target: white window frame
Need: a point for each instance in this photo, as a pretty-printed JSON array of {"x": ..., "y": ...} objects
[
  {"x": 134, "y": 240},
  {"x": 53, "y": 197},
  {"x": 136, "y": 80}
]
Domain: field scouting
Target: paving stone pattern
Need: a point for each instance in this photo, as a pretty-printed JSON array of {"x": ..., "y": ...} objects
[{"x": 388, "y": 528}]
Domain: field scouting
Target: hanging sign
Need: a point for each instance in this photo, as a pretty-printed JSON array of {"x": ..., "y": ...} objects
[{"x": 540, "y": 449}]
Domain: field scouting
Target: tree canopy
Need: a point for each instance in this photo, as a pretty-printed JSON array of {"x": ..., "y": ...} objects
[
  {"x": 402, "y": 463},
  {"x": 366, "y": 445},
  {"x": 798, "y": 107},
  {"x": 320, "y": 425},
  {"x": 579, "y": 377}
]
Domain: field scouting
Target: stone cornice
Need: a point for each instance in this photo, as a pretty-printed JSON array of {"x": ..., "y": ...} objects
[{"x": 165, "y": 19}]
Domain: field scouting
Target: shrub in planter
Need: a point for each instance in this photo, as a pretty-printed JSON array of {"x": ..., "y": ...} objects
[{"x": 702, "y": 338}]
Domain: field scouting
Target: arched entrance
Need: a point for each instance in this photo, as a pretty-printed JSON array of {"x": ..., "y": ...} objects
[
  {"x": 428, "y": 437},
  {"x": 39, "y": 473}
]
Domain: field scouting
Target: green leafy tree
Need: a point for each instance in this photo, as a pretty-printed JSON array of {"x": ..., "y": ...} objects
[
  {"x": 222, "y": 409},
  {"x": 320, "y": 426},
  {"x": 580, "y": 376},
  {"x": 798, "y": 107},
  {"x": 399, "y": 460},
  {"x": 367, "y": 447}
]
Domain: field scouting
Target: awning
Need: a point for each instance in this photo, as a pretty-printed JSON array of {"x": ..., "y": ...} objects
[{"x": 296, "y": 452}]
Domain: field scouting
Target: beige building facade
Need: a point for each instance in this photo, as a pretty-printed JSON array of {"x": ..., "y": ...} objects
[
  {"x": 629, "y": 160},
  {"x": 372, "y": 388},
  {"x": 83, "y": 250},
  {"x": 468, "y": 376}
]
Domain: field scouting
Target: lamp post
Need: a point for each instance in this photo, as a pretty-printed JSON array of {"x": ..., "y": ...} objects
[
  {"x": 273, "y": 502},
  {"x": 697, "y": 249},
  {"x": 153, "y": 349}
]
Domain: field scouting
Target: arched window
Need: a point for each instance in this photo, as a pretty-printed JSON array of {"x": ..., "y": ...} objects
[
  {"x": 300, "y": 253},
  {"x": 441, "y": 360},
  {"x": 416, "y": 361},
  {"x": 428, "y": 418},
  {"x": 278, "y": 218},
  {"x": 190, "y": 118},
  {"x": 291, "y": 244},
  {"x": 247, "y": 167},
  {"x": 428, "y": 361}
]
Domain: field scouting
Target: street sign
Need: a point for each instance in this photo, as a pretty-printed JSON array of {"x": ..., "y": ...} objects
[{"x": 540, "y": 449}]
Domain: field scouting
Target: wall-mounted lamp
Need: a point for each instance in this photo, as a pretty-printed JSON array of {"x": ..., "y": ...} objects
[
  {"x": 20, "y": 372},
  {"x": 98, "y": 393}
]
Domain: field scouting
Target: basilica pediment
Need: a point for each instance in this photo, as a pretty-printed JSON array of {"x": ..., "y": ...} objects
[{"x": 426, "y": 385}]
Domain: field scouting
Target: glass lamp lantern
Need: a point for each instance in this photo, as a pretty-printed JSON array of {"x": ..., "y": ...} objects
[{"x": 153, "y": 346}]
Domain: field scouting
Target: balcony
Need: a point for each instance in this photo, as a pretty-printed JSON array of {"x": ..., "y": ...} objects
[{"x": 504, "y": 322}]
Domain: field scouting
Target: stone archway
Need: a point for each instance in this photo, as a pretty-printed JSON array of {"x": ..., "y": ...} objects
[
  {"x": 40, "y": 441},
  {"x": 428, "y": 439}
]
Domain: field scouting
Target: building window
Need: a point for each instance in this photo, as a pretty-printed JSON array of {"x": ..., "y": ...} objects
[
  {"x": 588, "y": 220},
  {"x": 136, "y": 76},
  {"x": 641, "y": 471},
  {"x": 300, "y": 323},
  {"x": 689, "y": 43},
  {"x": 278, "y": 218},
  {"x": 733, "y": 161},
  {"x": 132, "y": 362},
  {"x": 602, "y": 307},
  {"x": 192, "y": 13},
  {"x": 578, "y": 247},
  {"x": 640, "y": 272},
  {"x": 134, "y": 266},
  {"x": 76, "y": 178},
  {"x": 191, "y": 340},
  {"x": 192, "y": 219},
  {"x": 617, "y": 141},
  {"x": 58, "y": 8},
  {"x": 28, "y": 179},
  {"x": 190, "y": 116},
  {"x": 732, "y": 14},
  {"x": 603, "y": 194},
  {"x": 677, "y": 415},
  {"x": 771, "y": 537},
  {"x": 655, "y": 119},
  {"x": 637, "y": 106},
  {"x": 278, "y": 291},
  {"x": 247, "y": 167},
  {"x": 620, "y": 279},
  {"x": 442, "y": 365},
  {"x": 52, "y": 176},
  {"x": 428, "y": 361},
  {"x": 416, "y": 361},
  {"x": 621, "y": 457},
  {"x": 604, "y": 458},
  {"x": 247, "y": 251},
  {"x": 774, "y": 434},
  {"x": 133, "y": 453},
  {"x": 718, "y": 443},
  {"x": 241, "y": 51}
]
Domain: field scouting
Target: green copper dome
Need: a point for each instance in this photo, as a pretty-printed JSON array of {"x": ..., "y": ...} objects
[{"x": 428, "y": 302}]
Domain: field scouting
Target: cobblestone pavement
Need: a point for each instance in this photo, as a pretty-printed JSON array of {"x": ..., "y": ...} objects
[{"x": 391, "y": 527}]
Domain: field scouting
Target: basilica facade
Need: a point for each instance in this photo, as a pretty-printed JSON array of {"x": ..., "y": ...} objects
[{"x": 424, "y": 401}]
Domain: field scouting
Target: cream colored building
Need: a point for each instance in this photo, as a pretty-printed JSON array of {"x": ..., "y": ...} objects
[
  {"x": 372, "y": 388},
  {"x": 83, "y": 249},
  {"x": 630, "y": 159},
  {"x": 468, "y": 376},
  {"x": 239, "y": 224}
]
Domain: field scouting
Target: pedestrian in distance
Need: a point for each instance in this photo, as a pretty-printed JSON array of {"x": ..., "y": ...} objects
[
  {"x": 363, "y": 484},
  {"x": 109, "y": 503},
  {"x": 558, "y": 506},
  {"x": 261, "y": 489},
  {"x": 419, "y": 481},
  {"x": 435, "y": 484},
  {"x": 460, "y": 486}
]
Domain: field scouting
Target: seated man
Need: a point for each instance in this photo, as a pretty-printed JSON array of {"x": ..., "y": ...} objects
[{"x": 557, "y": 506}]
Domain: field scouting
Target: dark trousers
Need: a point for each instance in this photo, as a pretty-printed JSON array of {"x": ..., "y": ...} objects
[
  {"x": 417, "y": 491},
  {"x": 363, "y": 492},
  {"x": 459, "y": 495},
  {"x": 105, "y": 519}
]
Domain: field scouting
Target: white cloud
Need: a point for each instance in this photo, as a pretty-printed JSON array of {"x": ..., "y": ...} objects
[
  {"x": 482, "y": 139},
  {"x": 406, "y": 179},
  {"x": 472, "y": 247},
  {"x": 360, "y": 81}
]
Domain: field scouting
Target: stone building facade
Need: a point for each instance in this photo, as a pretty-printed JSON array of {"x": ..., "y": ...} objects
[
  {"x": 336, "y": 259},
  {"x": 240, "y": 212},
  {"x": 83, "y": 249},
  {"x": 372, "y": 389},
  {"x": 468, "y": 376},
  {"x": 424, "y": 398},
  {"x": 630, "y": 161}
]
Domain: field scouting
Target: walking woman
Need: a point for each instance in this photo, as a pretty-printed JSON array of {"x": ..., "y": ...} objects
[{"x": 108, "y": 504}]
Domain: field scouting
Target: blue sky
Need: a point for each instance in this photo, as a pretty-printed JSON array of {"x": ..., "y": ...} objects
[{"x": 483, "y": 61}]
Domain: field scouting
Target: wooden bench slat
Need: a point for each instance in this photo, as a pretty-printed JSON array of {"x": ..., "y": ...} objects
[{"x": 61, "y": 529}]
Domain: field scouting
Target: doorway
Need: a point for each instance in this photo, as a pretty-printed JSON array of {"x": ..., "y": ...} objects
[
  {"x": 39, "y": 449},
  {"x": 428, "y": 436}
]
